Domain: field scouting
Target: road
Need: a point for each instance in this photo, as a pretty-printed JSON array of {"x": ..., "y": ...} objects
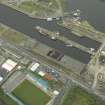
[
  {"x": 62, "y": 93},
  {"x": 25, "y": 24}
]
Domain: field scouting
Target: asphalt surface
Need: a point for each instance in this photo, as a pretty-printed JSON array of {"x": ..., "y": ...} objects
[{"x": 25, "y": 24}]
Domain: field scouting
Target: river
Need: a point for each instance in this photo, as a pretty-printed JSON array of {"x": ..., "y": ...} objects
[
  {"x": 25, "y": 24},
  {"x": 93, "y": 10}
]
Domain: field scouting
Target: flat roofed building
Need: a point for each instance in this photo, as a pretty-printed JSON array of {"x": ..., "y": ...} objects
[
  {"x": 102, "y": 51},
  {"x": 34, "y": 66},
  {"x": 11, "y": 62},
  {"x": 1, "y": 78},
  {"x": 9, "y": 65},
  {"x": 56, "y": 92},
  {"x": 41, "y": 73}
]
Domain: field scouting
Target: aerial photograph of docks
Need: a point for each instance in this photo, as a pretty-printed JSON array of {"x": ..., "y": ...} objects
[{"x": 52, "y": 52}]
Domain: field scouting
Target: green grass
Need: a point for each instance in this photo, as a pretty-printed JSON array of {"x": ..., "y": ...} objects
[
  {"x": 14, "y": 36},
  {"x": 1, "y": 28},
  {"x": 78, "y": 96},
  {"x": 29, "y": 6},
  {"x": 29, "y": 94},
  {"x": 6, "y": 99},
  {"x": 49, "y": 3}
]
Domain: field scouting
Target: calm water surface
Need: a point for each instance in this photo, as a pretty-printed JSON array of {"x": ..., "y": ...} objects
[{"x": 93, "y": 10}]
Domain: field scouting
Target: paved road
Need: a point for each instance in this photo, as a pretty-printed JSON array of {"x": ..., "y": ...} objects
[
  {"x": 25, "y": 24},
  {"x": 62, "y": 93}
]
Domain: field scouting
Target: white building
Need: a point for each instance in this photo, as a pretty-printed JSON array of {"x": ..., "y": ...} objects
[
  {"x": 41, "y": 73},
  {"x": 56, "y": 92},
  {"x": 9, "y": 65},
  {"x": 34, "y": 66},
  {"x": 1, "y": 78}
]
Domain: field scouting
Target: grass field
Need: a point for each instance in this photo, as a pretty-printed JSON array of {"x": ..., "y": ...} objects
[
  {"x": 78, "y": 96},
  {"x": 14, "y": 36},
  {"x": 6, "y": 99},
  {"x": 29, "y": 94},
  {"x": 29, "y": 6}
]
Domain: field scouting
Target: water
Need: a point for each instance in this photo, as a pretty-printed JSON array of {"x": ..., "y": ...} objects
[
  {"x": 93, "y": 10},
  {"x": 25, "y": 24}
]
